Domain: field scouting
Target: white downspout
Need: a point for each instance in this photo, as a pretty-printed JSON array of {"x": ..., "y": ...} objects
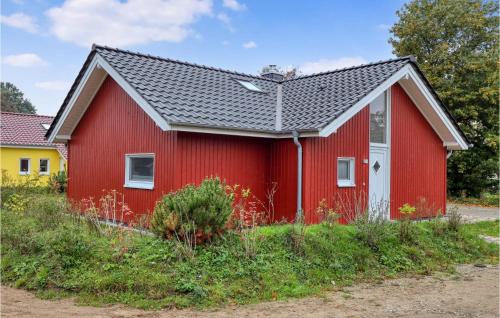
[{"x": 299, "y": 175}]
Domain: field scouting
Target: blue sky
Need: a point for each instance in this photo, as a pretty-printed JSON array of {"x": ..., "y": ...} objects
[{"x": 44, "y": 43}]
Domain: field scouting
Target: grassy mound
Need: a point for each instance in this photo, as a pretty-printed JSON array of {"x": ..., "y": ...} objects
[{"x": 68, "y": 257}]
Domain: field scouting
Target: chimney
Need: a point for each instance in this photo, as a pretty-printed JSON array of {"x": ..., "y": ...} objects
[{"x": 272, "y": 72}]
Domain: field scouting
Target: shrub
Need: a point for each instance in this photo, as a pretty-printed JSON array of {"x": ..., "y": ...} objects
[
  {"x": 438, "y": 225},
  {"x": 454, "y": 219},
  {"x": 407, "y": 230},
  {"x": 58, "y": 182},
  {"x": 326, "y": 214},
  {"x": 193, "y": 214},
  {"x": 371, "y": 230}
]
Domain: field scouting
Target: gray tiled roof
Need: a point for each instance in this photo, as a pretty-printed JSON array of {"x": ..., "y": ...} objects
[
  {"x": 312, "y": 102},
  {"x": 195, "y": 95},
  {"x": 190, "y": 94}
]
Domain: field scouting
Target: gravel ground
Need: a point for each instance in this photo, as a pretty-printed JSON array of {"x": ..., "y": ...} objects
[
  {"x": 473, "y": 213},
  {"x": 472, "y": 292}
]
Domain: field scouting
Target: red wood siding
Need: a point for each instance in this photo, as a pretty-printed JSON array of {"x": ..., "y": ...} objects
[
  {"x": 283, "y": 168},
  {"x": 320, "y": 164},
  {"x": 418, "y": 158},
  {"x": 237, "y": 160},
  {"x": 113, "y": 126}
]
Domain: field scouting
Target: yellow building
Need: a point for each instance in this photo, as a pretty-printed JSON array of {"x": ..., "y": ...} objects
[{"x": 24, "y": 151}]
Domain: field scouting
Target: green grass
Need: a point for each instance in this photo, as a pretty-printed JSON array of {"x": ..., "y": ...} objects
[
  {"x": 489, "y": 228},
  {"x": 65, "y": 258}
]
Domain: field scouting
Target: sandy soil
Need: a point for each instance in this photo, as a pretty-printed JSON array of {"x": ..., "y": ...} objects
[{"x": 473, "y": 292}]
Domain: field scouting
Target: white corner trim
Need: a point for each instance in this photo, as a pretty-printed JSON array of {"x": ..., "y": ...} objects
[
  {"x": 406, "y": 72},
  {"x": 157, "y": 118}
]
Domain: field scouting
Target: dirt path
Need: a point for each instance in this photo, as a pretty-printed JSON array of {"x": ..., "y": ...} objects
[{"x": 473, "y": 292}]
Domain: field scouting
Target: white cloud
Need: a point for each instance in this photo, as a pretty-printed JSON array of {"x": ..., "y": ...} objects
[
  {"x": 20, "y": 21},
  {"x": 234, "y": 5},
  {"x": 324, "y": 65},
  {"x": 224, "y": 18},
  {"x": 249, "y": 45},
  {"x": 53, "y": 85},
  {"x": 123, "y": 23},
  {"x": 23, "y": 60}
]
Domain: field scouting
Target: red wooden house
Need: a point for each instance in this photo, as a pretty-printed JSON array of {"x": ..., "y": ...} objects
[{"x": 147, "y": 125}]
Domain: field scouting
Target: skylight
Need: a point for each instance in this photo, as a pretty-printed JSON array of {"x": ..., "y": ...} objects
[
  {"x": 46, "y": 126},
  {"x": 250, "y": 86}
]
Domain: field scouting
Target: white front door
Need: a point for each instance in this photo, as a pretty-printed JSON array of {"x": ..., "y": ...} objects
[
  {"x": 379, "y": 176},
  {"x": 378, "y": 201}
]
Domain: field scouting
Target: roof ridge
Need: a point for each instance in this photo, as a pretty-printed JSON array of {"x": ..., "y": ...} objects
[
  {"x": 411, "y": 58},
  {"x": 96, "y": 46},
  {"x": 26, "y": 114}
]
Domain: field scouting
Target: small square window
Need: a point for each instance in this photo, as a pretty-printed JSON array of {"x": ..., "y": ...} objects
[
  {"x": 139, "y": 171},
  {"x": 24, "y": 166},
  {"x": 345, "y": 172},
  {"x": 44, "y": 167}
]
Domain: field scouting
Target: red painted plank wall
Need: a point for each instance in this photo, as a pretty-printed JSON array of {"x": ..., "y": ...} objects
[
  {"x": 237, "y": 160},
  {"x": 113, "y": 126},
  {"x": 418, "y": 158},
  {"x": 320, "y": 165},
  {"x": 283, "y": 168}
]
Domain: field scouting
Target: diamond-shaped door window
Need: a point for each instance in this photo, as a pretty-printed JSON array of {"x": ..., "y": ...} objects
[{"x": 376, "y": 166}]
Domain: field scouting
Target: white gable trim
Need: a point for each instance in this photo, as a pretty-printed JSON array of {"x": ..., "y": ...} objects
[
  {"x": 406, "y": 72},
  {"x": 157, "y": 118},
  {"x": 99, "y": 62}
]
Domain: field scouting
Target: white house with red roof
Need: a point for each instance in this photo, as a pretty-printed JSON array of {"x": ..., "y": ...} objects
[{"x": 24, "y": 150}]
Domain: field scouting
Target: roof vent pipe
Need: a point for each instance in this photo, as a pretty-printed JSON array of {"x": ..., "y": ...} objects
[
  {"x": 296, "y": 141},
  {"x": 272, "y": 72}
]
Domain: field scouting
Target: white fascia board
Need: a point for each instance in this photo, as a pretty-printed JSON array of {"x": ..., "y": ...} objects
[
  {"x": 98, "y": 61},
  {"x": 437, "y": 108},
  {"x": 27, "y": 146},
  {"x": 348, "y": 114},
  {"x": 75, "y": 95},
  {"x": 406, "y": 71},
  {"x": 235, "y": 132},
  {"x": 155, "y": 116}
]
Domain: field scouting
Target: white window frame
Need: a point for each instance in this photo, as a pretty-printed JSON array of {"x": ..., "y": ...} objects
[
  {"x": 351, "y": 181},
  {"x": 148, "y": 185},
  {"x": 25, "y": 173},
  {"x": 40, "y": 166}
]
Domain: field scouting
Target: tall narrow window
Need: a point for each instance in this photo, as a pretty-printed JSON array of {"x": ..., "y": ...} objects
[
  {"x": 44, "y": 167},
  {"x": 345, "y": 172},
  {"x": 24, "y": 166},
  {"x": 139, "y": 171},
  {"x": 378, "y": 119}
]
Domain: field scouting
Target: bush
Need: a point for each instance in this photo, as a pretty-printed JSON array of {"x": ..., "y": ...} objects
[
  {"x": 371, "y": 230},
  {"x": 406, "y": 227},
  {"x": 58, "y": 182},
  {"x": 454, "y": 219},
  {"x": 193, "y": 213}
]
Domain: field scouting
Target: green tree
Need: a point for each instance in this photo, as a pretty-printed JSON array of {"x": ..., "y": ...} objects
[
  {"x": 13, "y": 99},
  {"x": 456, "y": 46}
]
